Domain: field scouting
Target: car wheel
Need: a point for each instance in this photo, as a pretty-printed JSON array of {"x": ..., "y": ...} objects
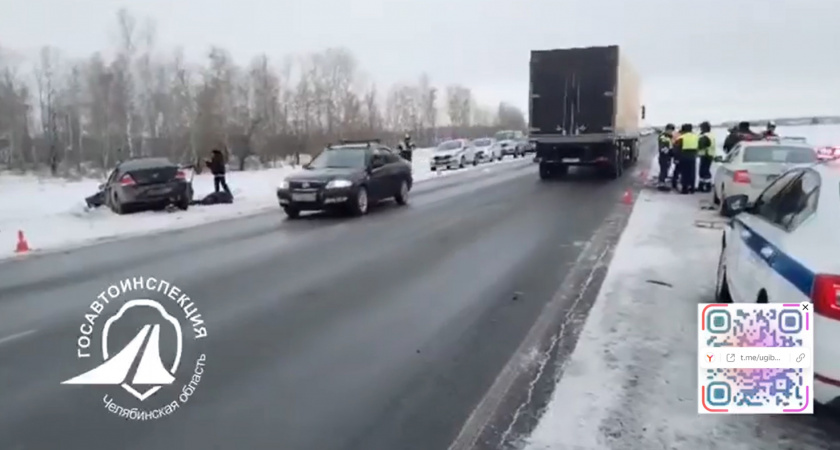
[
  {"x": 720, "y": 200},
  {"x": 183, "y": 203},
  {"x": 402, "y": 196},
  {"x": 715, "y": 198},
  {"x": 475, "y": 161},
  {"x": 462, "y": 163},
  {"x": 359, "y": 204},
  {"x": 291, "y": 212},
  {"x": 116, "y": 205},
  {"x": 722, "y": 294}
]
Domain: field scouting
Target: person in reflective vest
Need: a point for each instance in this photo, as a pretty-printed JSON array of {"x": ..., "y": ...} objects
[
  {"x": 666, "y": 141},
  {"x": 706, "y": 151},
  {"x": 687, "y": 145}
]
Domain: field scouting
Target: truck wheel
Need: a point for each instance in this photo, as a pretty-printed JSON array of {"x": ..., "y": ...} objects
[{"x": 617, "y": 168}]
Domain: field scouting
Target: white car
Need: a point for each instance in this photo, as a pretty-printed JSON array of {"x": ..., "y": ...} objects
[
  {"x": 487, "y": 150},
  {"x": 454, "y": 154},
  {"x": 782, "y": 248},
  {"x": 512, "y": 142},
  {"x": 750, "y": 166}
]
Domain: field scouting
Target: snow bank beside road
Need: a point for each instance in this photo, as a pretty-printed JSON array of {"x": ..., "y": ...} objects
[
  {"x": 52, "y": 212},
  {"x": 631, "y": 381}
]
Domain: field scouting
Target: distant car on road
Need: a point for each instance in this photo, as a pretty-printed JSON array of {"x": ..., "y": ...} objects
[
  {"x": 751, "y": 165},
  {"x": 486, "y": 150},
  {"x": 512, "y": 142},
  {"x": 453, "y": 154},
  {"x": 350, "y": 177},
  {"x": 147, "y": 183},
  {"x": 782, "y": 247}
]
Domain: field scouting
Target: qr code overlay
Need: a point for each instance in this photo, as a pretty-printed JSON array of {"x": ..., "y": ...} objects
[{"x": 766, "y": 384}]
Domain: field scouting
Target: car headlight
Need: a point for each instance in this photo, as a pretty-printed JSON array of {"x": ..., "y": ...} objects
[
  {"x": 339, "y": 184},
  {"x": 283, "y": 185}
]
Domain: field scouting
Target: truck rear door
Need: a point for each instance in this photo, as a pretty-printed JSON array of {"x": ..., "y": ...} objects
[{"x": 573, "y": 90}]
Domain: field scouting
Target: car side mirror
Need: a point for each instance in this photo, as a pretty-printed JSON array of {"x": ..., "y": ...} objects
[
  {"x": 718, "y": 159},
  {"x": 734, "y": 205},
  {"x": 101, "y": 186}
]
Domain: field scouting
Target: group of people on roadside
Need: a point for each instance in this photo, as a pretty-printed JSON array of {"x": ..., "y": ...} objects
[{"x": 684, "y": 148}]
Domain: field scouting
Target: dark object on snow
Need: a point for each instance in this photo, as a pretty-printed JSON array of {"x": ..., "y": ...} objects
[
  {"x": 147, "y": 183},
  {"x": 96, "y": 200},
  {"x": 216, "y": 198}
]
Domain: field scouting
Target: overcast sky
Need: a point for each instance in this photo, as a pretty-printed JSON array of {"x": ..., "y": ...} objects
[{"x": 711, "y": 59}]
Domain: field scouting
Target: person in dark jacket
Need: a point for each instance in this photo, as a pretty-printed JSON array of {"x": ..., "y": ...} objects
[
  {"x": 216, "y": 164},
  {"x": 742, "y": 133},
  {"x": 666, "y": 140},
  {"x": 770, "y": 131},
  {"x": 706, "y": 151}
]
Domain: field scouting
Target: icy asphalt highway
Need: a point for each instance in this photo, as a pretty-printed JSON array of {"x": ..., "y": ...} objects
[{"x": 377, "y": 333}]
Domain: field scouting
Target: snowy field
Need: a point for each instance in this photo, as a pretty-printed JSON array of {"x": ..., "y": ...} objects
[
  {"x": 631, "y": 381},
  {"x": 52, "y": 212}
]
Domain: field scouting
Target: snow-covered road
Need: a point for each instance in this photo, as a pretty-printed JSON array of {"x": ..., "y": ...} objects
[
  {"x": 52, "y": 214},
  {"x": 631, "y": 382}
]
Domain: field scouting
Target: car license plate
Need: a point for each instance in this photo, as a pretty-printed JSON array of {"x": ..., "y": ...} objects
[
  {"x": 306, "y": 197},
  {"x": 571, "y": 160}
]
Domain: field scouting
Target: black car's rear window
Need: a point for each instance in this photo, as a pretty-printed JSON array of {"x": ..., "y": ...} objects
[{"x": 145, "y": 163}]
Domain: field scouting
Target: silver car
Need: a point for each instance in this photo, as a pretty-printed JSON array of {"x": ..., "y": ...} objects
[
  {"x": 453, "y": 154},
  {"x": 487, "y": 150},
  {"x": 751, "y": 165}
]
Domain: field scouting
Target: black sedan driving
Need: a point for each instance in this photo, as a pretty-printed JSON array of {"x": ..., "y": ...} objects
[{"x": 348, "y": 177}]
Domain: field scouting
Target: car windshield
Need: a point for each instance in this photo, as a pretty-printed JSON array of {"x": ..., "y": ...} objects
[
  {"x": 340, "y": 158},
  {"x": 502, "y": 135},
  {"x": 448, "y": 146},
  {"x": 779, "y": 154},
  {"x": 482, "y": 142}
]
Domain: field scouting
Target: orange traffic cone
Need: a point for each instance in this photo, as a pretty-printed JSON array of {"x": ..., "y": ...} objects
[
  {"x": 22, "y": 245},
  {"x": 627, "y": 198}
]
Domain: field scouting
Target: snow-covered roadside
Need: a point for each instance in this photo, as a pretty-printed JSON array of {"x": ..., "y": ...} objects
[
  {"x": 631, "y": 381},
  {"x": 52, "y": 212}
]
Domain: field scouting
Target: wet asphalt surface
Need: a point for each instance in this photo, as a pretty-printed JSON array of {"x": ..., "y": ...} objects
[{"x": 381, "y": 332}]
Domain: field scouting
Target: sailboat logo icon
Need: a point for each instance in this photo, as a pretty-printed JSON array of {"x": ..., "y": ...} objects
[{"x": 150, "y": 374}]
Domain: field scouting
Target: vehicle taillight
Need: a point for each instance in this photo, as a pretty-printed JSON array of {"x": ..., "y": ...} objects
[
  {"x": 181, "y": 175},
  {"x": 126, "y": 180},
  {"x": 741, "y": 176},
  {"x": 825, "y": 295}
]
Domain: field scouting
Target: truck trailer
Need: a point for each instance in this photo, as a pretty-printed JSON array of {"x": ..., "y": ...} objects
[{"x": 584, "y": 110}]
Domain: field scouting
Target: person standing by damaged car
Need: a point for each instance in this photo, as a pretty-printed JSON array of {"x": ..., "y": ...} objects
[{"x": 216, "y": 164}]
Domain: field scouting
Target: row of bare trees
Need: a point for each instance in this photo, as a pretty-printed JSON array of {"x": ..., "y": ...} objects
[{"x": 74, "y": 116}]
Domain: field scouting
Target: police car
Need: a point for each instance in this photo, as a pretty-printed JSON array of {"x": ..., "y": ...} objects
[{"x": 783, "y": 248}]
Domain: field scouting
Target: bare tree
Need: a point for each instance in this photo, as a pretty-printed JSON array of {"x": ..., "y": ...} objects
[
  {"x": 459, "y": 105},
  {"x": 123, "y": 69},
  {"x": 93, "y": 112},
  {"x": 47, "y": 77},
  {"x": 510, "y": 117},
  {"x": 15, "y": 139}
]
